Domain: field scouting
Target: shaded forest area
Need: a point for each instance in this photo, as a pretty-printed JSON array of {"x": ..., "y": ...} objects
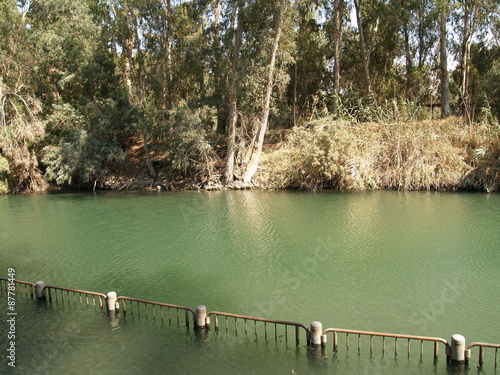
[{"x": 310, "y": 94}]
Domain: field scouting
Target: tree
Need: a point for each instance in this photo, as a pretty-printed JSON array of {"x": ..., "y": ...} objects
[
  {"x": 443, "y": 56},
  {"x": 472, "y": 17},
  {"x": 20, "y": 122},
  {"x": 86, "y": 113},
  {"x": 309, "y": 68},
  {"x": 127, "y": 19},
  {"x": 338, "y": 18},
  {"x": 251, "y": 167},
  {"x": 365, "y": 57},
  {"x": 233, "y": 115}
]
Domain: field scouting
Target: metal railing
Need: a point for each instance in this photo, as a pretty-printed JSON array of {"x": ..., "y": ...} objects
[
  {"x": 314, "y": 335},
  {"x": 23, "y": 286},
  {"x": 384, "y": 336},
  {"x": 481, "y": 346},
  {"x": 69, "y": 296},
  {"x": 142, "y": 306},
  {"x": 245, "y": 319}
]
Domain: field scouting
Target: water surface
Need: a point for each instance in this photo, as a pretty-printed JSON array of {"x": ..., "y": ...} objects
[{"x": 404, "y": 262}]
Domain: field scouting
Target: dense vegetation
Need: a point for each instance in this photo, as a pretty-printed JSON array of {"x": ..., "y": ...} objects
[{"x": 359, "y": 94}]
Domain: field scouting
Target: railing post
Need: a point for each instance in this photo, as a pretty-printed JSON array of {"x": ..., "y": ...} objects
[
  {"x": 481, "y": 355},
  {"x": 201, "y": 316},
  {"x": 316, "y": 333},
  {"x": 457, "y": 350},
  {"x": 40, "y": 290},
  {"x": 111, "y": 300}
]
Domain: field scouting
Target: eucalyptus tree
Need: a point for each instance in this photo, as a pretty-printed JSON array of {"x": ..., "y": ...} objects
[
  {"x": 21, "y": 125},
  {"x": 238, "y": 9},
  {"x": 85, "y": 113},
  {"x": 309, "y": 77},
  {"x": 338, "y": 18},
  {"x": 473, "y": 18},
  {"x": 363, "y": 48},
  {"x": 127, "y": 17},
  {"x": 443, "y": 6},
  {"x": 279, "y": 11}
]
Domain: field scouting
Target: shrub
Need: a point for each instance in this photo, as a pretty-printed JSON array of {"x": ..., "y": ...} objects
[
  {"x": 415, "y": 155},
  {"x": 4, "y": 175},
  {"x": 187, "y": 150}
]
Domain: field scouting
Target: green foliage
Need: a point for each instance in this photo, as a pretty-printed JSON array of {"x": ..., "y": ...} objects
[
  {"x": 187, "y": 149},
  {"x": 80, "y": 158},
  {"x": 364, "y": 109},
  {"x": 310, "y": 69},
  {"x": 65, "y": 39},
  {"x": 80, "y": 79},
  {"x": 79, "y": 154}
]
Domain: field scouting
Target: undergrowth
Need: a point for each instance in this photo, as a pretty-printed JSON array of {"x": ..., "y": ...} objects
[{"x": 410, "y": 155}]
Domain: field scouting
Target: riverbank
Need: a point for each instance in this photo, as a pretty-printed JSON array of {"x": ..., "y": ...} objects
[
  {"x": 328, "y": 154},
  {"x": 415, "y": 155},
  {"x": 440, "y": 155}
]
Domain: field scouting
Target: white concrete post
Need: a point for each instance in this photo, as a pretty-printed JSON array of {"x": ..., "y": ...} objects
[
  {"x": 111, "y": 300},
  {"x": 201, "y": 316},
  {"x": 316, "y": 333},
  {"x": 39, "y": 289},
  {"x": 457, "y": 351}
]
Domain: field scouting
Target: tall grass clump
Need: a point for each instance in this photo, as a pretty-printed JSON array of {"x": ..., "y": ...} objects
[{"x": 403, "y": 155}]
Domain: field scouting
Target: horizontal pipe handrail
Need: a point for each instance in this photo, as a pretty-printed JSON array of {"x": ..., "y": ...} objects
[
  {"x": 70, "y": 290},
  {"x": 31, "y": 285},
  {"x": 18, "y": 281},
  {"x": 391, "y": 335},
  {"x": 395, "y": 336},
  {"x": 75, "y": 291},
  {"x": 483, "y": 345},
  {"x": 201, "y": 319},
  {"x": 170, "y": 306},
  {"x": 238, "y": 316},
  {"x": 486, "y": 345},
  {"x": 297, "y": 326}
]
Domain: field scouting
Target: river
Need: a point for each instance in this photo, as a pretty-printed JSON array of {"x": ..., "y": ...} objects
[{"x": 420, "y": 263}]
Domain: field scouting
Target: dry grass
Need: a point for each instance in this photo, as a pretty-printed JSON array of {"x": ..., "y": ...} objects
[{"x": 415, "y": 155}]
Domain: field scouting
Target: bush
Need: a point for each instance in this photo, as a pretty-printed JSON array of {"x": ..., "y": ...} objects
[
  {"x": 80, "y": 154},
  {"x": 417, "y": 155},
  {"x": 4, "y": 175},
  {"x": 187, "y": 150}
]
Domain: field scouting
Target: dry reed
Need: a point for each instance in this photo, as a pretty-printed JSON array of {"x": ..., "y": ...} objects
[{"x": 414, "y": 155}]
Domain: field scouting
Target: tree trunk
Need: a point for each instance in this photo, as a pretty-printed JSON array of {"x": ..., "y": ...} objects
[
  {"x": 338, "y": 5},
  {"x": 466, "y": 46},
  {"x": 257, "y": 148},
  {"x": 167, "y": 46},
  {"x": 409, "y": 62},
  {"x": 445, "y": 84},
  {"x": 362, "y": 46},
  {"x": 139, "y": 97},
  {"x": 218, "y": 81},
  {"x": 233, "y": 115}
]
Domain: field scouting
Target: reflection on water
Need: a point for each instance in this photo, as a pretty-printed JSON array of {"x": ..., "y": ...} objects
[{"x": 415, "y": 263}]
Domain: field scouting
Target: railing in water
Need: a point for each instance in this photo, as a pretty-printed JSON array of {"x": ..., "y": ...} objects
[
  {"x": 481, "y": 346},
  {"x": 142, "y": 306},
  {"x": 315, "y": 336},
  {"x": 296, "y": 326},
  {"x": 384, "y": 336},
  {"x": 23, "y": 287},
  {"x": 68, "y": 295}
]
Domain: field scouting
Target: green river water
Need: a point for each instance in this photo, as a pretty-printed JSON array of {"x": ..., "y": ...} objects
[{"x": 402, "y": 262}]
